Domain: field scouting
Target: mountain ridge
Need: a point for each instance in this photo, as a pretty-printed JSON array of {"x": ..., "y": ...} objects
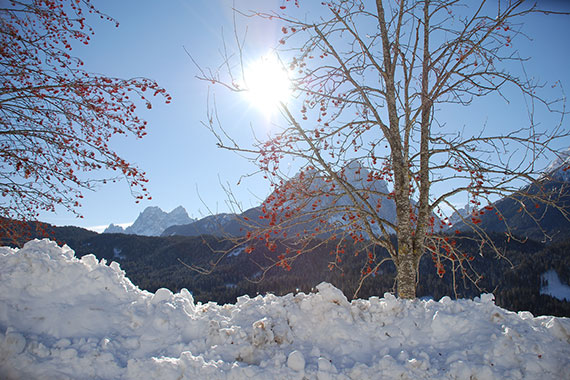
[
  {"x": 152, "y": 221},
  {"x": 232, "y": 224},
  {"x": 520, "y": 215}
]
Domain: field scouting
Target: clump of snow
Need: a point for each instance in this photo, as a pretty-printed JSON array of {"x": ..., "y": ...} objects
[
  {"x": 554, "y": 287},
  {"x": 236, "y": 252},
  {"x": 68, "y": 318}
]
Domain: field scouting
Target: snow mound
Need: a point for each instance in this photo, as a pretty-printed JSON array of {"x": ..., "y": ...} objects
[{"x": 68, "y": 318}]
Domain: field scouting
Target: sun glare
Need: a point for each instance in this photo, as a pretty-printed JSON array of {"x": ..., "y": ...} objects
[{"x": 267, "y": 84}]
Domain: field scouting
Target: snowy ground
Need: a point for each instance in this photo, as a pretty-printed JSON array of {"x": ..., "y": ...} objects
[
  {"x": 554, "y": 287},
  {"x": 65, "y": 318}
]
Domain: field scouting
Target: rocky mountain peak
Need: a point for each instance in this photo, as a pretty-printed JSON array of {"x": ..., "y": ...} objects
[
  {"x": 152, "y": 221},
  {"x": 559, "y": 169}
]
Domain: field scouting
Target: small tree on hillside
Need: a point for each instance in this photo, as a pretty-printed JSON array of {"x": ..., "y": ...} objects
[
  {"x": 373, "y": 79},
  {"x": 56, "y": 120}
]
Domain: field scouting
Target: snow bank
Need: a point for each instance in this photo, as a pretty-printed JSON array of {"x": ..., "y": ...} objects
[{"x": 65, "y": 318}]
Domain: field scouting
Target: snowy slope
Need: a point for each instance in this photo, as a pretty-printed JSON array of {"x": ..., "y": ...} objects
[
  {"x": 65, "y": 318},
  {"x": 554, "y": 287}
]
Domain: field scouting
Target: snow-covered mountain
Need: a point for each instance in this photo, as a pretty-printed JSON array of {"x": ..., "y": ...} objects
[
  {"x": 114, "y": 229},
  {"x": 153, "y": 221},
  {"x": 361, "y": 180},
  {"x": 459, "y": 215},
  {"x": 68, "y": 318},
  {"x": 521, "y": 215},
  {"x": 357, "y": 176},
  {"x": 559, "y": 169}
]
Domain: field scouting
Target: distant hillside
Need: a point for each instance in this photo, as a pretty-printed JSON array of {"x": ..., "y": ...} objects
[
  {"x": 521, "y": 216},
  {"x": 526, "y": 220},
  {"x": 218, "y": 225}
]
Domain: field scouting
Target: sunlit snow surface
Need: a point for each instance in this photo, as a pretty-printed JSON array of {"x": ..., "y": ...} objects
[
  {"x": 554, "y": 287},
  {"x": 65, "y": 318}
]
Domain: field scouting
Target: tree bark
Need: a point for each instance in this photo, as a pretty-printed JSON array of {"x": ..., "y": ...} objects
[{"x": 406, "y": 275}]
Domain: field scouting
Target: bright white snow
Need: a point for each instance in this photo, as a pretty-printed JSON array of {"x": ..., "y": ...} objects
[
  {"x": 555, "y": 287},
  {"x": 65, "y": 318}
]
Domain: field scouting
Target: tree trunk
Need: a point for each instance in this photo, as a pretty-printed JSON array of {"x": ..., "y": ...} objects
[{"x": 406, "y": 276}]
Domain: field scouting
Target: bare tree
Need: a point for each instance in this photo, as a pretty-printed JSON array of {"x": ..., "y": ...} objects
[
  {"x": 56, "y": 120},
  {"x": 371, "y": 79}
]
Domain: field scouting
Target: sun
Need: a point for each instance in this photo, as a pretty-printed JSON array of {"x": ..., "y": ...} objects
[{"x": 267, "y": 83}]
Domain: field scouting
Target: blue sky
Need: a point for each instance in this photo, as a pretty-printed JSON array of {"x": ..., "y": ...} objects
[{"x": 182, "y": 162}]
